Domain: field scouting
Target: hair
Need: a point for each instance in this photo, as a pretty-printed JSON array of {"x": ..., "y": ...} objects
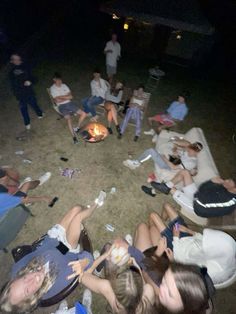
[
  {"x": 185, "y": 94},
  {"x": 3, "y": 173},
  {"x": 28, "y": 305},
  {"x": 115, "y": 91},
  {"x": 57, "y": 75},
  {"x": 97, "y": 70},
  {"x": 195, "y": 288},
  {"x": 141, "y": 86},
  {"x": 197, "y": 146},
  {"x": 127, "y": 284}
]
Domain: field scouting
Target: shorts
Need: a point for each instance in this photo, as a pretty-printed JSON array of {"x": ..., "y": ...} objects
[
  {"x": 68, "y": 108},
  {"x": 111, "y": 70},
  {"x": 20, "y": 193},
  {"x": 185, "y": 197},
  {"x": 168, "y": 233},
  {"x": 58, "y": 232},
  {"x": 164, "y": 119}
]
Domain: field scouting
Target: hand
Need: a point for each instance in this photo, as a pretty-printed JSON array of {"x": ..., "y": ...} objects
[
  {"x": 162, "y": 246},
  {"x": 109, "y": 51},
  {"x": 27, "y": 83},
  {"x": 78, "y": 267},
  {"x": 176, "y": 231},
  {"x": 169, "y": 254}
]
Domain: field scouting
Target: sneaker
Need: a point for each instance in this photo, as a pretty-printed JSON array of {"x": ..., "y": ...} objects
[
  {"x": 28, "y": 127},
  {"x": 75, "y": 141},
  {"x": 131, "y": 164},
  {"x": 87, "y": 300},
  {"x": 129, "y": 239},
  {"x": 119, "y": 136},
  {"x": 41, "y": 117},
  {"x": 136, "y": 138},
  {"x": 109, "y": 130},
  {"x": 150, "y": 132},
  {"x": 118, "y": 129},
  {"x": 162, "y": 187},
  {"x": 44, "y": 178},
  {"x": 76, "y": 130},
  {"x": 148, "y": 190},
  {"x": 101, "y": 198}
]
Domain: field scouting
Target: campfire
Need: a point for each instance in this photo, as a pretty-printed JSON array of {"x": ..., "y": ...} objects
[{"x": 94, "y": 132}]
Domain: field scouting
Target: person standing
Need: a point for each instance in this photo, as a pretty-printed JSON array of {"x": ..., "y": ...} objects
[
  {"x": 21, "y": 82},
  {"x": 112, "y": 52}
]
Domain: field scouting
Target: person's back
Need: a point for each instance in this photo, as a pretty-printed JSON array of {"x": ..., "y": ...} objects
[{"x": 178, "y": 110}]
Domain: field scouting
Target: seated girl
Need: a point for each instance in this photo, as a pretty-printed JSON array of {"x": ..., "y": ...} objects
[{"x": 113, "y": 99}]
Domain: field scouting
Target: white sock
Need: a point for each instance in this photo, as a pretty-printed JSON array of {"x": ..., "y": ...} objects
[{"x": 170, "y": 184}]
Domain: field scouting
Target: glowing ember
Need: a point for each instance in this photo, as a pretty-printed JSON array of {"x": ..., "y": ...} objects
[{"x": 96, "y": 132}]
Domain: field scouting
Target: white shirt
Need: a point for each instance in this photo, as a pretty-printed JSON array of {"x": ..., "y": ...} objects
[
  {"x": 111, "y": 57},
  {"x": 57, "y": 91},
  {"x": 189, "y": 163},
  {"x": 100, "y": 88},
  {"x": 213, "y": 249}
]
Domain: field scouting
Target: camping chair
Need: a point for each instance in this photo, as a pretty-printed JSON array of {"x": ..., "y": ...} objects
[
  {"x": 20, "y": 251},
  {"x": 54, "y": 105},
  {"x": 155, "y": 74}
]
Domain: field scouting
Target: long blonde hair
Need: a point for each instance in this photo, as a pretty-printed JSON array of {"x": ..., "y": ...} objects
[{"x": 28, "y": 305}]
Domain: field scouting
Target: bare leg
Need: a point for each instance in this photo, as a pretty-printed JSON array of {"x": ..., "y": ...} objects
[
  {"x": 142, "y": 239},
  {"x": 74, "y": 228},
  {"x": 114, "y": 114},
  {"x": 170, "y": 211},
  {"x": 81, "y": 115},
  {"x": 109, "y": 118},
  {"x": 155, "y": 219},
  {"x": 155, "y": 235},
  {"x": 29, "y": 186},
  {"x": 69, "y": 122},
  {"x": 182, "y": 176}
]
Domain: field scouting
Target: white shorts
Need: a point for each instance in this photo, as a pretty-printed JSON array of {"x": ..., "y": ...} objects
[
  {"x": 185, "y": 197},
  {"x": 58, "y": 232}
]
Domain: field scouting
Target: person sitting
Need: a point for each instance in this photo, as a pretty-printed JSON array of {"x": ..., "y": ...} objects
[
  {"x": 184, "y": 157},
  {"x": 63, "y": 99},
  {"x": 12, "y": 193},
  {"x": 212, "y": 249},
  {"x": 113, "y": 99},
  {"x": 176, "y": 112},
  {"x": 45, "y": 272},
  {"x": 135, "y": 112},
  {"x": 213, "y": 198},
  {"x": 99, "y": 87},
  {"x": 126, "y": 294}
]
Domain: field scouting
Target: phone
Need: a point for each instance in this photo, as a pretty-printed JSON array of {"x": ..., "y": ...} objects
[
  {"x": 177, "y": 226},
  {"x": 64, "y": 159},
  {"x": 54, "y": 200}
]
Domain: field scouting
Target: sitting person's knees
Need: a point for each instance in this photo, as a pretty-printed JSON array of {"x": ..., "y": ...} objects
[
  {"x": 76, "y": 209},
  {"x": 168, "y": 205},
  {"x": 153, "y": 215},
  {"x": 141, "y": 226}
]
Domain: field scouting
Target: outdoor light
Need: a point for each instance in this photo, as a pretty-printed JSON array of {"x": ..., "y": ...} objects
[
  {"x": 178, "y": 37},
  {"x": 126, "y": 26},
  {"x": 115, "y": 17}
]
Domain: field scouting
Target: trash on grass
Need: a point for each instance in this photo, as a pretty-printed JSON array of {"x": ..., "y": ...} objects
[
  {"x": 113, "y": 190},
  {"x": 110, "y": 228},
  {"x": 27, "y": 161},
  {"x": 19, "y": 152},
  {"x": 70, "y": 172}
]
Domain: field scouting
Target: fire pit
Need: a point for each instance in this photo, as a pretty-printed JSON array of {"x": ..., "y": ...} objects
[{"x": 94, "y": 132}]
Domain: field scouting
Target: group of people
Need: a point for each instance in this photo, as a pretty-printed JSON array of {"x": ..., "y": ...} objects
[{"x": 166, "y": 267}]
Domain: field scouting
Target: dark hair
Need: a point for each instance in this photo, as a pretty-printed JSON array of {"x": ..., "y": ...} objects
[
  {"x": 57, "y": 75},
  {"x": 185, "y": 94},
  {"x": 3, "y": 173},
  {"x": 141, "y": 86},
  {"x": 195, "y": 287},
  {"x": 196, "y": 146},
  {"x": 96, "y": 70}
]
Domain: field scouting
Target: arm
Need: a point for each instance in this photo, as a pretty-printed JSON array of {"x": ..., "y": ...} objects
[
  {"x": 181, "y": 143},
  {"x": 64, "y": 97},
  {"x": 107, "y": 49}
]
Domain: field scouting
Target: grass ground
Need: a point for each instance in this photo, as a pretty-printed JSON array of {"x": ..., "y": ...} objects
[{"x": 211, "y": 108}]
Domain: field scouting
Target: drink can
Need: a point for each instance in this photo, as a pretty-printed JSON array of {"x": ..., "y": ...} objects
[{"x": 109, "y": 227}]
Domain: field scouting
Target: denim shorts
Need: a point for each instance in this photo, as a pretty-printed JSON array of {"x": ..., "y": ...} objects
[{"x": 168, "y": 232}]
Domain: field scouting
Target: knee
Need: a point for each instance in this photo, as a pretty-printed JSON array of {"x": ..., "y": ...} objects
[
  {"x": 152, "y": 216},
  {"x": 141, "y": 227},
  {"x": 167, "y": 206},
  {"x": 185, "y": 173},
  {"x": 76, "y": 210}
]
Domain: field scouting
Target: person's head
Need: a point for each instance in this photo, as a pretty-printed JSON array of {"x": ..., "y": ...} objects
[
  {"x": 114, "y": 37},
  {"x": 183, "y": 97},
  {"x": 127, "y": 284},
  {"x": 229, "y": 184},
  {"x": 194, "y": 148},
  {"x": 16, "y": 59},
  {"x": 22, "y": 294},
  {"x": 57, "y": 79},
  {"x": 3, "y": 173},
  {"x": 119, "y": 86},
  {"x": 96, "y": 74},
  {"x": 184, "y": 290}
]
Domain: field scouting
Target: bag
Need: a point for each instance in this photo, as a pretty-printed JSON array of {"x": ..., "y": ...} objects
[{"x": 175, "y": 160}]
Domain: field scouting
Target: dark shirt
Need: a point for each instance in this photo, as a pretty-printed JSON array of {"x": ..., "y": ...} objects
[
  {"x": 213, "y": 199},
  {"x": 18, "y": 75}
]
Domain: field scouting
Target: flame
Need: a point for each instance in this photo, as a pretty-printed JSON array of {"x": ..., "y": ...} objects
[{"x": 96, "y": 130}]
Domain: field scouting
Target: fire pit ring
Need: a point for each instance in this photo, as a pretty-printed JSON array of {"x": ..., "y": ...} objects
[{"x": 94, "y": 132}]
